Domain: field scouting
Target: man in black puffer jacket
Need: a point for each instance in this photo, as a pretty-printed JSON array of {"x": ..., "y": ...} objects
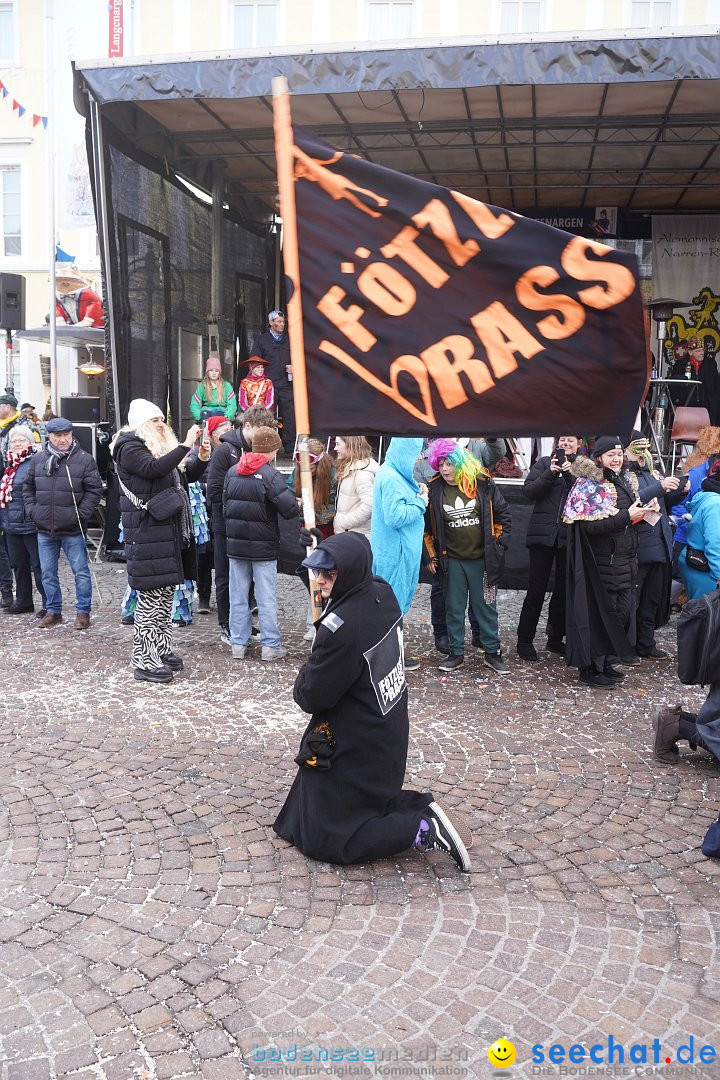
[
  {"x": 232, "y": 446},
  {"x": 547, "y": 486},
  {"x": 253, "y": 495},
  {"x": 62, "y": 491},
  {"x": 601, "y": 510}
]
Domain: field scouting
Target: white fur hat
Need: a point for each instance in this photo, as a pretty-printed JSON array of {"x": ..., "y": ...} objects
[{"x": 141, "y": 410}]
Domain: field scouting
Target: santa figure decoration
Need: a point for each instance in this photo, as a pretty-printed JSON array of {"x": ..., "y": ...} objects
[
  {"x": 256, "y": 388},
  {"x": 75, "y": 304}
]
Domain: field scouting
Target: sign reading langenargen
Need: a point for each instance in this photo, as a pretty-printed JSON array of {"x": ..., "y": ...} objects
[{"x": 115, "y": 28}]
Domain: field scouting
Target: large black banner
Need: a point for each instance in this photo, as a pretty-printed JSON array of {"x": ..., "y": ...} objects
[{"x": 428, "y": 313}]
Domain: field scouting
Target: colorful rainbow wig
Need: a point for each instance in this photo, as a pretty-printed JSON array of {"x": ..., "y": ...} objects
[{"x": 467, "y": 467}]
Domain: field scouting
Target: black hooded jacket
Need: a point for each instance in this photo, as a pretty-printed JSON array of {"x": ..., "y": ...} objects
[
  {"x": 232, "y": 446},
  {"x": 548, "y": 490},
  {"x": 154, "y": 549},
  {"x": 354, "y": 686}
]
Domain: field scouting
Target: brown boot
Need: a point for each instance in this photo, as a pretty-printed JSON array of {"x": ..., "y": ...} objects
[
  {"x": 667, "y": 732},
  {"x": 82, "y": 620},
  {"x": 50, "y": 619}
]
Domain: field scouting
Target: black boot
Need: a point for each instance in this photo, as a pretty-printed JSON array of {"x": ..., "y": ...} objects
[{"x": 6, "y": 598}]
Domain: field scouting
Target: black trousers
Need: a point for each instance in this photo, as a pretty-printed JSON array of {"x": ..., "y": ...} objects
[
  {"x": 222, "y": 578},
  {"x": 6, "y": 578},
  {"x": 541, "y": 563},
  {"x": 651, "y": 579},
  {"x": 204, "y": 573},
  {"x": 284, "y": 399},
  {"x": 25, "y": 561}
]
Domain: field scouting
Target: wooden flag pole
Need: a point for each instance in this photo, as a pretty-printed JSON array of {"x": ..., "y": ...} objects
[{"x": 284, "y": 142}]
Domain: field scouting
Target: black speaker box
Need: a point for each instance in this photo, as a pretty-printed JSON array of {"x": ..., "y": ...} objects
[
  {"x": 83, "y": 410},
  {"x": 12, "y": 302}
]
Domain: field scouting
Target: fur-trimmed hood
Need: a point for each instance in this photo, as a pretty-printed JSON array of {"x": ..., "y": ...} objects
[{"x": 588, "y": 467}]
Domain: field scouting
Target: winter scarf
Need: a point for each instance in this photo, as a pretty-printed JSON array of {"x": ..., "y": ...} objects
[
  {"x": 55, "y": 457},
  {"x": 6, "y": 484}
]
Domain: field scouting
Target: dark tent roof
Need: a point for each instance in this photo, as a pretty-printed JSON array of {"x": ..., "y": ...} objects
[{"x": 522, "y": 124}]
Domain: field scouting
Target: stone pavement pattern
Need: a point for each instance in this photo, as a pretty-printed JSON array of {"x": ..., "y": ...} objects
[{"x": 153, "y": 926}]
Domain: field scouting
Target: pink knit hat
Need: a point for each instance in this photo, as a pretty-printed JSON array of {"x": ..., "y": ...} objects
[{"x": 213, "y": 364}]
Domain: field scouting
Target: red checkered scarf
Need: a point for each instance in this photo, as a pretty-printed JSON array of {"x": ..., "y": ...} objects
[{"x": 11, "y": 467}]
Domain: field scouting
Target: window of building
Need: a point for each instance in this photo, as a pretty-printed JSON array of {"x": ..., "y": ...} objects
[
  {"x": 10, "y": 198},
  {"x": 521, "y": 16},
  {"x": 7, "y": 31},
  {"x": 387, "y": 19},
  {"x": 652, "y": 13},
  {"x": 255, "y": 24}
]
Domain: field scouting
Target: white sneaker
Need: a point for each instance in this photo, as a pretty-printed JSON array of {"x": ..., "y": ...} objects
[
  {"x": 225, "y": 637},
  {"x": 273, "y": 654},
  {"x": 238, "y": 652},
  {"x": 309, "y": 634}
]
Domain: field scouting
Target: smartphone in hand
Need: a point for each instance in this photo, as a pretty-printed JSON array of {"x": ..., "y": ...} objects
[{"x": 559, "y": 456}]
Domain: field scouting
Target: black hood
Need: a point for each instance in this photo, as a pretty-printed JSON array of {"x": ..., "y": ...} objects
[
  {"x": 236, "y": 439},
  {"x": 352, "y": 556}
]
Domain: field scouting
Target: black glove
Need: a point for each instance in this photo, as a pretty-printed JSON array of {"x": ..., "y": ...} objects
[{"x": 306, "y": 537}]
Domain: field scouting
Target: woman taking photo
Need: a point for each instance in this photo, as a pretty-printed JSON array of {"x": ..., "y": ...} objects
[
  {"x": 20, "y": 532},
  {"x": 355, "y": 473},
  {"x": 158, "y": 530}
]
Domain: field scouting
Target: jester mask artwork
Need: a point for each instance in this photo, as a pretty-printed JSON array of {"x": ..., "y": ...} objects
[{"x": 426, "y": 312}]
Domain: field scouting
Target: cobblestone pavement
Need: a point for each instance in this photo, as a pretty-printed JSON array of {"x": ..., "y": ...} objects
[{"x": 153, "y": 926}]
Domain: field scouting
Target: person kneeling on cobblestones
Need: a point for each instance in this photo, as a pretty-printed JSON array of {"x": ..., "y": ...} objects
[{"x": 347, "y": 803}]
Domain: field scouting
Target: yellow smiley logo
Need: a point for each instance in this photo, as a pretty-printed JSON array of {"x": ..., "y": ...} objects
[{"x": 501, "y": 1054}]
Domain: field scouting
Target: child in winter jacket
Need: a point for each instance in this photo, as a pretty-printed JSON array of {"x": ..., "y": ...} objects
[{"x": 254, "y": 493}]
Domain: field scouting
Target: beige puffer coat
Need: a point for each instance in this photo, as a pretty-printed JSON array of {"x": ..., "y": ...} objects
[{"x": 355, "y": 498}]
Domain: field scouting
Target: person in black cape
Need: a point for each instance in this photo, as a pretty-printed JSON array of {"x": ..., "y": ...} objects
[
  {"x": 601, "y": 511},
  {"x": 347, "y": 803}
]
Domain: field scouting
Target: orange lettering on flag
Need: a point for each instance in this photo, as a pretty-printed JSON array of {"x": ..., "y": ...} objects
[
  {"x": 335, "y": 184},
  {"x": 437, "y": 215},
  {"x": 446, "y": 360},
  {"x": 481, "y": 214},
  {"x": 619, "y": 280},
  {"x": 387, "y": 289},
  {"x": 502, "y": 336},
  {"x": 572, "y": 314},
  {"x": 347, "y": 319},
  {"x": 409, "y": 365},
  {"x": 404, "y": 246}
]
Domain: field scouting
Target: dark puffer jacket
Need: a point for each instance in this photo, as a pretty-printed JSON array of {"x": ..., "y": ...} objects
[
  {"x": 14, "y": 517},
  {"x": 251, "y": 502},
  {"x": 493, "y": 511},
  {"x": 655, "y": 542},
  {"x": 548, "y": 490},
  {"x": 154, "y": 549},
  {"x": 277, "y": 354},
  {"x": 613, "y": 539},
  {"x": 232, "y": 447},
  {"x": 50, "y": 500}
]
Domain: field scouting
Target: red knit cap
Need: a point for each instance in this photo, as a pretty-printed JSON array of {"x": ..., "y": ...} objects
[{"x": 215, "y": 422}]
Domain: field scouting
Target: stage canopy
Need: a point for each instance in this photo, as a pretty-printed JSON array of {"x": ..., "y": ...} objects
[{"x": 617, "y": 121}]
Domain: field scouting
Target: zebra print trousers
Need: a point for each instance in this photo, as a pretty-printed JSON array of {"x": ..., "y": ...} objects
[{"x": 152, "y": 637}]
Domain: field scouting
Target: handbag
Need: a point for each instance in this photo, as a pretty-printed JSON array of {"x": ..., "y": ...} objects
[
  {"x": 163, "y": 506},
  {"x": 698, "y": 637},
  {"x": 697, "y": 559}
]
